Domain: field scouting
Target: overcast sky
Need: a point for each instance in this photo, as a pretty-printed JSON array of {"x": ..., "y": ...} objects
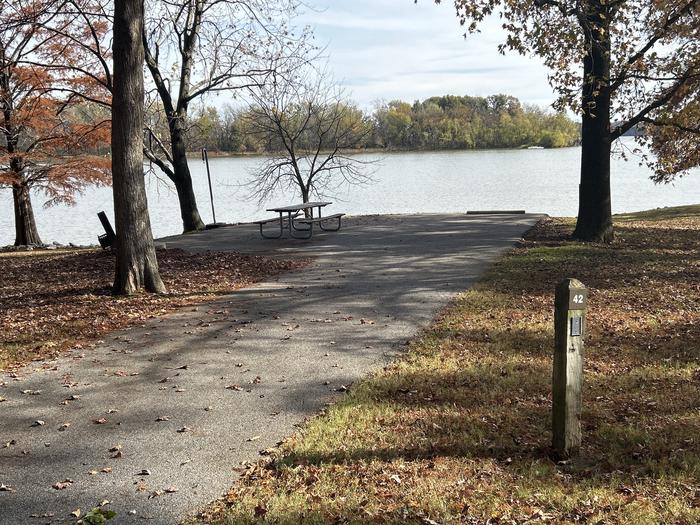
[{"x": 394, "y": 49}]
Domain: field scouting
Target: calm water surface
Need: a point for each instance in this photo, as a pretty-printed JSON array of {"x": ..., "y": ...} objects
[{"x": 535, "y": 180}]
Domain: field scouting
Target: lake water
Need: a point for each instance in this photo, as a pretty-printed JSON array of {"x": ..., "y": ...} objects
[{"x": 534, "y": 180}]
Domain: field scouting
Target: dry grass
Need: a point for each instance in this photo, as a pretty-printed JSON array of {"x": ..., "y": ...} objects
[
  {"x": 53, "y": 301},
  {"x": 457, "y": 431}
]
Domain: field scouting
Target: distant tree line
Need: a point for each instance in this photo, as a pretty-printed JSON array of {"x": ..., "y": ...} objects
[{"x": 438, "y": 123}]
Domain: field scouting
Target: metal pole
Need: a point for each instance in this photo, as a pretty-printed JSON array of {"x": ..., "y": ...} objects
[{"x": 205, "y": 159}]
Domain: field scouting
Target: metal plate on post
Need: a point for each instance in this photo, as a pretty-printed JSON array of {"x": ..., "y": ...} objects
[
  {"x": 578, "y": 299},
  {"x": 576, "y": 326}
]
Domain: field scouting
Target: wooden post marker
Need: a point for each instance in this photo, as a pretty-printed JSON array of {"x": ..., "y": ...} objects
[{"x": 569, "y": 330}]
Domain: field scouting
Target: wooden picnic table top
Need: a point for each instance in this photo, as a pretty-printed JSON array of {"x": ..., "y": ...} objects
[{"x": 298, "y": 207}]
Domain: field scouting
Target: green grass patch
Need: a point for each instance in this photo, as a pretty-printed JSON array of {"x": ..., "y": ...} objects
[{"x": 661, "y": 214}]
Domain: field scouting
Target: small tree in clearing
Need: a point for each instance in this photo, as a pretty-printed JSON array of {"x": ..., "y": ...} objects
[
  {"x": 41, "y": 134},
  {"x": 311, "y": 130}
]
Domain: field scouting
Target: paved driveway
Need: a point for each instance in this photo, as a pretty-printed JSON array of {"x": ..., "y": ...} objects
[{"x": 173, "y": 432}]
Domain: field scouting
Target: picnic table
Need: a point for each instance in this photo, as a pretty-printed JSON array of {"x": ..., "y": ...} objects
[{"x": 301, "y": 228}]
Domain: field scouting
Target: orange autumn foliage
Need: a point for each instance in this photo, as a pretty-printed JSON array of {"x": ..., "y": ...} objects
[{"x": 48, "y": 140}]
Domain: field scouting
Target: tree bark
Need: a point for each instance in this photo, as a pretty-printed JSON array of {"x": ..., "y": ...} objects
[
  {"x": 136, "y": 265},
  {"x": 25, "y": 225},
  {"x": 594, "y": 221},
  {"x": 182, "y": 179},
  {"x": 305, "y": 190},
  {"x": 177, "y": 115}
]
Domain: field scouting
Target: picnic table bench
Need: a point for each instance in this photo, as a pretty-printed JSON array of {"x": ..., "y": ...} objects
[{"x": 307, "y": 221}]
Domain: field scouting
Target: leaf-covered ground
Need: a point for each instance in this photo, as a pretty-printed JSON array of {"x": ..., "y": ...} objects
[
  {"x": 52, "y": 301},
  {"x": 458, "y": 431}
]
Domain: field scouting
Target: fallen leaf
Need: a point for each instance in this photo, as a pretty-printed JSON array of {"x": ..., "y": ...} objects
[
  {"x": 60, "y": 485},
  {"x": 184, "y": 429},
  {"x": 76, "y": 513},
  {"x": 237, "y": 388},
  {"x": 100, "y": 421},
  {"x": 38, "y": 423},
  {"x": 163, "y": 418}
]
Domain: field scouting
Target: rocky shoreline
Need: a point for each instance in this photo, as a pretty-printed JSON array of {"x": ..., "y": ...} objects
[{"x": 50, "y": 246}]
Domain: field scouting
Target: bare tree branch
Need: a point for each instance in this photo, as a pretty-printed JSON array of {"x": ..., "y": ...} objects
[{"x": 309, "y": 123}]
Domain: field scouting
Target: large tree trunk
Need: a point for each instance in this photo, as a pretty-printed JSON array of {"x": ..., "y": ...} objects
[
  {"x": 595, "y": 213},
  {"x": 191, "y": 220},
  {"x": 25, "y": 225},
  {"x": 137, "y": 266}
]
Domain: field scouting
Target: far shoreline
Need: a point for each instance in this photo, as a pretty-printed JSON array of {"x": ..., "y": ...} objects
[{"x": 369, "y": 151}]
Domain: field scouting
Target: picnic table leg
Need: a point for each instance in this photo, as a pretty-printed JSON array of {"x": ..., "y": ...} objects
[
  {"x": 264, "y": 236},
  {"x": 293, "y": 227},
  {"x": 326, "y": 229},
  {"x": 308, "y": 232}
]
